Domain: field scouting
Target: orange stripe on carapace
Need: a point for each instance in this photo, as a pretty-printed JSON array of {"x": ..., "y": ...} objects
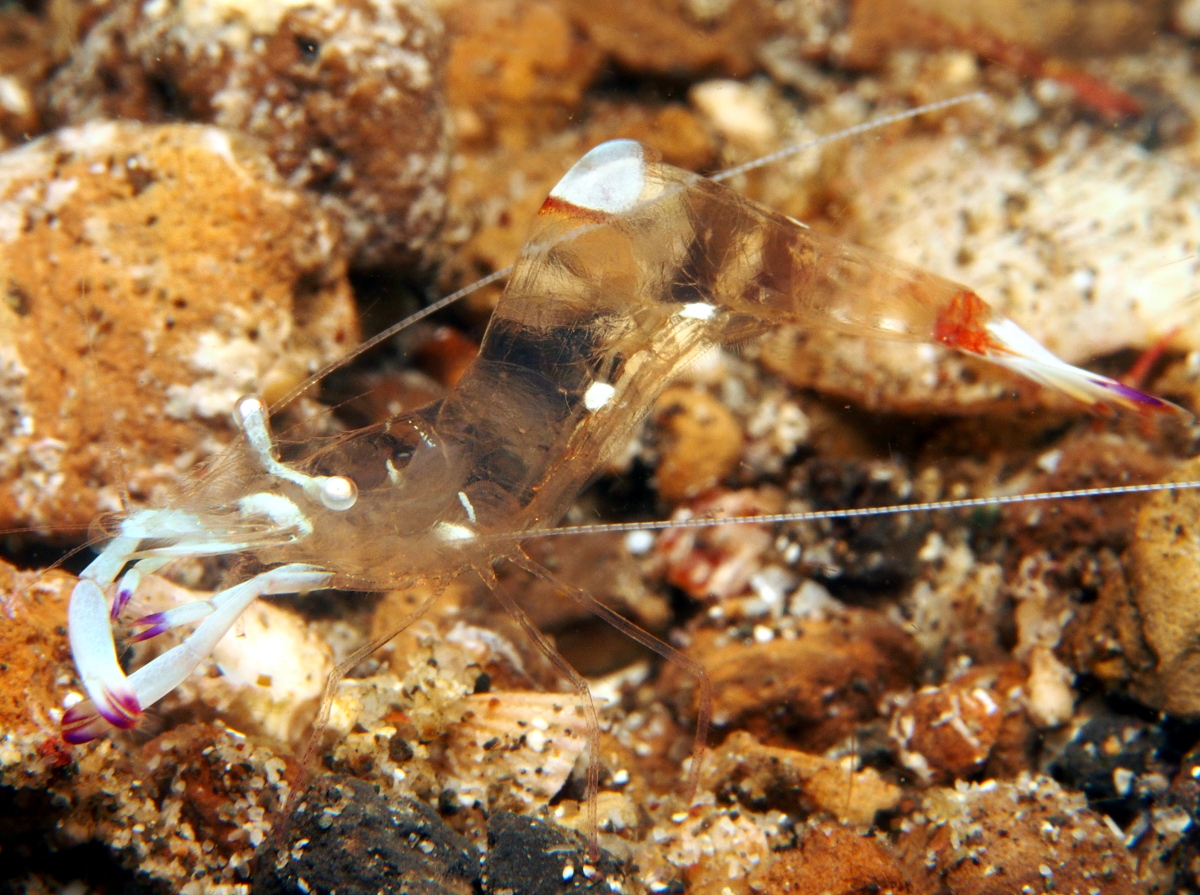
[
  {"x": 554, "y": 205},
  {"x": 963, "y": 325}
]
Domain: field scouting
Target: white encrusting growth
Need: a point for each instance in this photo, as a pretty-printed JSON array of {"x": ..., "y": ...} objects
[{"x": 610, "y": 178}]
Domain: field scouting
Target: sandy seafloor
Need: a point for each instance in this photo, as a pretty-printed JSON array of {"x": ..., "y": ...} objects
[{"x": 201, "y": 199}]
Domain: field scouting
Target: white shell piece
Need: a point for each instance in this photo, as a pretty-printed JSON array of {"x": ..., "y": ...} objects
[
  {"x": 532, "y": 739},
  {"x": 610, "y": 178}
]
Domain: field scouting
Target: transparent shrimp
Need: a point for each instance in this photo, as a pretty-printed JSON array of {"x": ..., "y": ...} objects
[{"x": 632, "y": 271}]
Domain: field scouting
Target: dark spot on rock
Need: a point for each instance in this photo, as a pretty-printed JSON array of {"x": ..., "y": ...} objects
[
  {"x": 399, "y": 749},
  {"x": 17, "y": 298},
  {"x": 310, "y": 48}
]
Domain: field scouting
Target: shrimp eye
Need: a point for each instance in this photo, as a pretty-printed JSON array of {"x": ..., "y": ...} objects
[
  {"x": 338, "y": 493},
  {"x": 366, "y": 460}
]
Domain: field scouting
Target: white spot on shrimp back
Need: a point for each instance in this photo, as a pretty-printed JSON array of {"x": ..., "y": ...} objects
[
  {"x": 698, "y": 310},
  {"x": 467, "y": 505},
  {"x": 610, "y": 178},
  {"x": 451, "y": 531},
  {"x": 597, "y": 395}
]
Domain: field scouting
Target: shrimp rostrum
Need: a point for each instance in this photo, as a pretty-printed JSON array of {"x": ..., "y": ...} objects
[{"x": 633, "y": 269}]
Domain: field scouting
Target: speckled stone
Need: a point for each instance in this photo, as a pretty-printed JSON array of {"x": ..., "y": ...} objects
[
  {"x": 134, "y": 316},
  {"x": 345, "y": 837},
  {"x": 346, "y": 98}
]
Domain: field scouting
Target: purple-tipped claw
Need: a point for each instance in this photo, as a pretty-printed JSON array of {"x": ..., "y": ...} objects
[
  {"x": 155, "y": 624},
  {"x": 124, "y": 595},
  {"x": 120, "y": 709},
  {"x": 87, "y": 720},
  {"x": 81, "y": 724}
]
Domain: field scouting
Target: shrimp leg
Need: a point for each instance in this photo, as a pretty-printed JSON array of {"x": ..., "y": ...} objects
[
  {"x": 690, "y": 666},
  {"x": 578, "y": 684}
]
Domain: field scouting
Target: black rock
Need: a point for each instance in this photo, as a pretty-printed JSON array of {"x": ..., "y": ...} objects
[
  {"x": 345, "y": 837},
  {"x": 529, "y": 857},
  {"x": 1106, "y": 760}
]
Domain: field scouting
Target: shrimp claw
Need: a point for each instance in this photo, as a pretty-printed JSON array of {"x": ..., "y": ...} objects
[
  {"x": 261, "y": 517},
  {"x": 117, "y": 700}
]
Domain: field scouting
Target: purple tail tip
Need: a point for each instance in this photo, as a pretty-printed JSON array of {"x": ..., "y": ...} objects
[{"x": 1141, "y": 399}]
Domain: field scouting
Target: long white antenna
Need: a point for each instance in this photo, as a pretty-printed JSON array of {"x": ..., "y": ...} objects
[
  {"x": 854, "y": 131},
  {"x": 862, "y": 512}
]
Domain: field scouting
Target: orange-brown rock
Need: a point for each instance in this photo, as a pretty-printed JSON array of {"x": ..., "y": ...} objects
[
  {"x": 834, "y": 860},
  {"x": 347, "y": 98},
  {"x": 516, "y": 71},
  {"x": 1141, "y": 632},
  {"x": 700, "y": 439},
  {"x": 762, "y": 777},
  {"x": 997, "y": 838},
  {"x": 810, "y": 691},
  {"x": 949, "y": 732},
  {"x": 33, "y": 644},
  {"x": 134, "y": 314}
]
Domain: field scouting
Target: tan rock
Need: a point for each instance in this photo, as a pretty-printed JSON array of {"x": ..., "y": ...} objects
[
  {"x": 1164, "y": 589},
  {"x": 808, "y": 691},
  {"x": 832, "y": 860},
  {"x": 701, "y": 442},
  {"x": 764, "y": 776},
  {"x": 135, "y": 315},
  {"x": 347, "y": 98}
]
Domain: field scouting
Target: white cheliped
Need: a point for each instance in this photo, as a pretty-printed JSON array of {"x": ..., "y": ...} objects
[{"x": 611, "y": 185}]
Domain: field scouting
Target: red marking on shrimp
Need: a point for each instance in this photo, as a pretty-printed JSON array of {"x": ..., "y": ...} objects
[
  {"x": 557, "y": 206},
  {"x": 963, "y": 325}
]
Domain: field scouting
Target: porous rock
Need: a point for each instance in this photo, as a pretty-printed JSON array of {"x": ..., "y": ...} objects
[
  {"x": 996, "y": 838},
  {"x": 34, "y": 651},
  {"x": 345, "y": 97},
  {"x": 834, "y": 860},
  {"x": 763, "y": 777},
  {"x": 134, "y": 316},
  {"x": 1164, "y": 586},
  {"x": 701, "y": 442},
  {"x": 1139, "y": 633},
  {"x": 807, "y": 691}
]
